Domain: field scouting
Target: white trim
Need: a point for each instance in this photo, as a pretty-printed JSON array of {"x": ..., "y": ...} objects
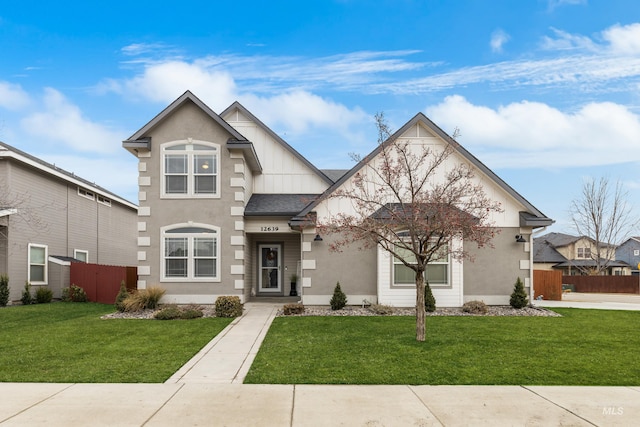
[
  {"x": 81, "y": 251},
  {"x": 45, "y": 265},
  {"x": 51, "y": 171},
  {"x": 215, "y": 151},
  {"x": 190, "y": 278},
  {"x": 58, "y": 261},
  {"x": 8, "y": 211}
]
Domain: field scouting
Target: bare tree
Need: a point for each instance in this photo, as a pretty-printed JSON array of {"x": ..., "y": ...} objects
[
  {"x": 602, "y": 214},
  {"x": 21, "y": 206},
  {"x": 413, "y": 203}
]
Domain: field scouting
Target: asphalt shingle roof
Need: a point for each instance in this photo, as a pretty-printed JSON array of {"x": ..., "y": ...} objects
[{"x": 277, "y": 204}]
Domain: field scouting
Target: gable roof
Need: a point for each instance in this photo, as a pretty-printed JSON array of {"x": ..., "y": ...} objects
[
  {"x": 138, "y": 141},
  {"x": 536, "y": 217},
  {"x": 543, "y": 251},
  {"x": 8, "y": 151},
  {"x": 237, "y": 106},
  {"x": 558, "y": 240}
]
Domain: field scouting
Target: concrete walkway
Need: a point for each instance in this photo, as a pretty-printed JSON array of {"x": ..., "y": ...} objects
[
  {"x": 228, "y": 357},
  {"x": 208, "y": 390}
]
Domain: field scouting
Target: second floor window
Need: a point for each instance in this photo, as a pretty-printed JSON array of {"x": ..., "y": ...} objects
[
  {"x": 584, "y": 252},
  {"x": 190, "y": 170}
]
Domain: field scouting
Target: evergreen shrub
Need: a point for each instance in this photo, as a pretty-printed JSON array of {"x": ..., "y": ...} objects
[
  {"x": 339, "y": 298},
  {"x": 4, "y": 290},
  {"x": 519, "y": 298},
  {"x": 44, "y": 295},
  {"x": 429, "y": 300}
]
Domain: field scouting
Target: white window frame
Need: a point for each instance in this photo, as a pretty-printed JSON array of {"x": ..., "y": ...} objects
[
  {"x": 396, "y": 262},
  {"x": 45, "y": 265},
  {"x": 103, "y": 200},
  {"x": 582, "y": 253},
  {"x": 81, "y": 251},
  {"x": 191, "y": 151},
  {"x": 636, "y": 252},
  {"x": 87, "y": 194},
  {"x": 169, "y": 231}
]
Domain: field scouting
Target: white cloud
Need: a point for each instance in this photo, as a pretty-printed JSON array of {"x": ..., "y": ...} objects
[
  {"x": 295, "y": 111},
  {"x": 624, "y": 39},
  {"x": 553, "y": 4},
  {"x": 13, "y": 97},
  {"x": 533, "y": 134},
  {"x": 563, "y": 40},
  {"x": 498, "y": 39},
  {"x": 300, "y": 111},
  {"x": 63, "y": 122}
]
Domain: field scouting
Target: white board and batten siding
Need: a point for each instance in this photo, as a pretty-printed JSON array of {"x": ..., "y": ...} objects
[
  {"x": 405, "y": 296},
  {"x": 282, "y": 171}
]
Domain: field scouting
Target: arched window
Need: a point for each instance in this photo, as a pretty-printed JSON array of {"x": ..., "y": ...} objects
[
  {"x": 190, "y": 169},
  {"x": 190, "y": 253}
]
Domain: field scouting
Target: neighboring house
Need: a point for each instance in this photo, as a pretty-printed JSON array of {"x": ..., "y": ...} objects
[
  {"x": 227, "y": 208},
  {"x": 574, "y": 255},
  {"x": 51, "y": 217},
  {"x": 629, "y": 252}
]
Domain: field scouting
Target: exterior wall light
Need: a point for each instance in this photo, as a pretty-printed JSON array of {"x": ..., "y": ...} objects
[
  {"x": 520, "y": 238},
  {"x": 318, "y": 238}
]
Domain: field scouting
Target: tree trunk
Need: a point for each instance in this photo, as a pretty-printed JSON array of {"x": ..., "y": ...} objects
[{"x": 420, "y": 311}]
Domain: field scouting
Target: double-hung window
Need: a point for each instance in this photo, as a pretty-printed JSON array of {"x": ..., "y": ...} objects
[
  {"x": 437, "y": 272},
  {"x": 190, "y": 170},
  {"x": 584, "y": 252},
  {"x": 190, "y": 253},
  {"x": 37, "y": 264}
]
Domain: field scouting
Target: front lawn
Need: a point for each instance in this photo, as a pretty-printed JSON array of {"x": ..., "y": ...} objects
[
  {"x": 68, "y": 342},
  {"x": 584, "y": 347}
]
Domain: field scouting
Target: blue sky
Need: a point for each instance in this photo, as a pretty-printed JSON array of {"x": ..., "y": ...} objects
[{"x": 544, "y": 92}]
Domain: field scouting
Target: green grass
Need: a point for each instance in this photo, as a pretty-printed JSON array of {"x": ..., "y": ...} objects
[
  {"x": 584, "y": 347},
  {"x": 68, "y": 342}
]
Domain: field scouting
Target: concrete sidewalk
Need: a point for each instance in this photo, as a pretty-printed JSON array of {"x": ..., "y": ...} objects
[
  {"x": 201, "y": 404},
  {"x": 594, "y": 301}
]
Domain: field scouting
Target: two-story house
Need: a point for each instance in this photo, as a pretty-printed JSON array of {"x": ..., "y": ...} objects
[
  {"x": 575, "y": 255},
  {"x": 225, "y": 208},
  {"x": 629, "y": 252},
  {"x": 49, "y": 216}
]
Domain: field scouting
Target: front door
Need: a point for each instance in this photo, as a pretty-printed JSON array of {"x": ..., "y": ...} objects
[{"x": 269, "y": 276}]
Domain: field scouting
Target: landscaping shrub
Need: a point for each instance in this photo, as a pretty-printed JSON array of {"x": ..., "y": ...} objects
[
  {"x": 475, "y": 307},
  {"x": 122, "y": 295},
  {"x": 339, "y": 299},
  {"x": 172, "y": 311},
  {"x": 74, "y": 294},
  {"x": 228, "y": 306},
  {"x": 143, "y": 299},
  {"x": 44, "y": 295},
  {"x": 429, "y": 300},
  {"x": 169, "y": 312},
  {"x": 152, "y": 296},
  {"x": 519, "y": 298},
  {"x": 27, "y": 298},
  {"x": 381, "y": 309},
  {"x": 4, "y": 290},
  {"x": 191, "y": 313},
  {"x": 290, "y": 309}
]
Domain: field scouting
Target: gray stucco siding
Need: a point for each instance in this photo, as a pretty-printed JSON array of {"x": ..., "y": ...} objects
[
  {"x": 355, "y": 269},
  {"x": 494, "y": 271},
  {"x": 190, "y": 122}
]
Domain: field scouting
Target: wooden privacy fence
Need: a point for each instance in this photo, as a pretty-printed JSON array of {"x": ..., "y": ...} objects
[
  {"x": 604, "y": 284},
  {"x": 548, "y": 284},
  {"x": 102, "y": 282}
]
